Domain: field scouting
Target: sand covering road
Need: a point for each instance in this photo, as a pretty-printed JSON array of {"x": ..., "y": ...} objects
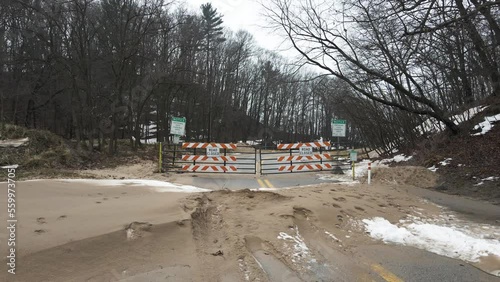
[{"x": 86, "y": 233}]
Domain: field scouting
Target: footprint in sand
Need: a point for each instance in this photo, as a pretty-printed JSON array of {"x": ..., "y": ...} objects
[
  {"x": 41, "y": 220},
  {"x": 61, "y": 217},
  {"x": 40, "y": 231},
  {"x": 336, "y": 206},
  {"x": 340, "y": 199},
  {"x": 97, "y": 202},
  {"x": 359, "y": 208}
]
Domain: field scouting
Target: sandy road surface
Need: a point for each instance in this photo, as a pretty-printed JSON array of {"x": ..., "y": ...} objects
[{"x": 76, "y": 232}]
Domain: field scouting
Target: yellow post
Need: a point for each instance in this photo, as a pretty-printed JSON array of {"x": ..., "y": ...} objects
[
  {"x": 353, "y": 170},
  {"x": 159, "y": 158}
]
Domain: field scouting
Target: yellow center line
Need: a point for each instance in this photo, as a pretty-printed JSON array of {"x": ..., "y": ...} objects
[
  {"x": 261, "y": 183},
  {"x": 387, "y": 275},
  {"x": 268, "y": 183}
]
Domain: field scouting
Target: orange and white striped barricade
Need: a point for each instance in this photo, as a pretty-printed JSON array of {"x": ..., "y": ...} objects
[
  {"x": 210, "y": 168},
  {"x": 316, "y": 157},
  {"x": 304, "y": 167},
  {"x": 198, "y": 145},
  {"x": 202, "y": 158},
  {"x": 298, "y": 145}
]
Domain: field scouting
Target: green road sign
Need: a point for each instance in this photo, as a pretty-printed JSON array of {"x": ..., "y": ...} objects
[
  {"x": 178, "y": 126},
  {"x": 179, "y": 119},
  {"x": 338, "y": 127}
]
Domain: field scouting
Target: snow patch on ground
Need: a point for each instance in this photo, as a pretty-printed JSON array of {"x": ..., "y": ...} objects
[
  {"x": 332, "y": 236},
  {"x": 10, "y": 166},
  {"x": 397, "y": 159},
  {"x": 445, "y": 162},
  {"x": 491, "y": 178},
  {"x": 464, "y": 242},
  {"x": 156, "y": 185},
  {"x": 433, "y": 168},
  {"x": 300, "y": 249},
  {"x": 486, "y": 125},
  {"x": 361, "y": 170}
]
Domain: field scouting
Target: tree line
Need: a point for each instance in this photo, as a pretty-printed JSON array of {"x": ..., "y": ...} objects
[
  {"x": 404, "y": 61},
  {"x": 97, "y": 71}
]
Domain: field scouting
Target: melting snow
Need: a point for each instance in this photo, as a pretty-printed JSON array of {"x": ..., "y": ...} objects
[
  {"x": 360, "y": 170},
  {"x": 301, "y": 250},
  {"x": 332, "y": 236},
  {"x": 486, "y": 125},
  {"x": 10, "y": 166},
  {"x": 491, "y": 178},
  {"x": 433, "y": 168},
  {"x": 397, "y": 159},
  {"x": 445, "y": 162},
  {"x": 450, "y": 241},
  {"x": 158, "y": 186},
  {"x": 431, "y": 125}
]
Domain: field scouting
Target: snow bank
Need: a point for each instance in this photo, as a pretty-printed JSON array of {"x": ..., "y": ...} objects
[
  {"x": 443, "y": 240},
  {"x": 156, "y": 185},
  {"x": 486, "y": 125},
  {"x": 361, "y": 170}
]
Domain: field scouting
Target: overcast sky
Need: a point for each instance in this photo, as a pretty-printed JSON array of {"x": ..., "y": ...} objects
[{"x": 247, "y": 15}]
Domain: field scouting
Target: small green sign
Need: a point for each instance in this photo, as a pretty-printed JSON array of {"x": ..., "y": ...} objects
[
  {"x": 353, "y": 156},
  {"x": 178, "y": 126},
  {"x": 338, "y": 127},
  {"x": 179, "y": 119}
]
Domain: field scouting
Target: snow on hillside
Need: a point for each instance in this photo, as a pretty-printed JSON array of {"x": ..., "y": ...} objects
[
  {"x": 431, "y": 125},
  {"x": 397, "y": 159},
  {"x": 486, "y": 125}
]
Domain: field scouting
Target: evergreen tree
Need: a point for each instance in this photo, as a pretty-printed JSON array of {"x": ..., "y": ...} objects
[{"x": 213, "y": 34}]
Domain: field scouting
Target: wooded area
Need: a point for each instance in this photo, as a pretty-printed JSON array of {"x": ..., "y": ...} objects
[
  {"x": 92, "y": 70},
  {"x": 96, "y": 71},
  {"x": 415, "y": 58}
]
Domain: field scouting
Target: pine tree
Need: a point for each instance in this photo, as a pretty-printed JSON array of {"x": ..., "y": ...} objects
[{"x": 212, "y": 28}]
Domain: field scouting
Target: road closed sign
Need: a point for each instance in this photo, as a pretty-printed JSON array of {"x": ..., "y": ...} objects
[
  {"x": 305, "y": 151},
  {"x": 338, "y": 127},
  {"x": 213, "y": 152}
]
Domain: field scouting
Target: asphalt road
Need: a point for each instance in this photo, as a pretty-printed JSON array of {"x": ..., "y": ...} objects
[
  {"x": 387, "y": 262},
  {"x": 239, "y": 182}
]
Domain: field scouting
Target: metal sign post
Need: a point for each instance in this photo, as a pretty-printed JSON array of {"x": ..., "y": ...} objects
[
  {"x": 354, "y": 158},
  {"x": 338, "y": 130}
]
